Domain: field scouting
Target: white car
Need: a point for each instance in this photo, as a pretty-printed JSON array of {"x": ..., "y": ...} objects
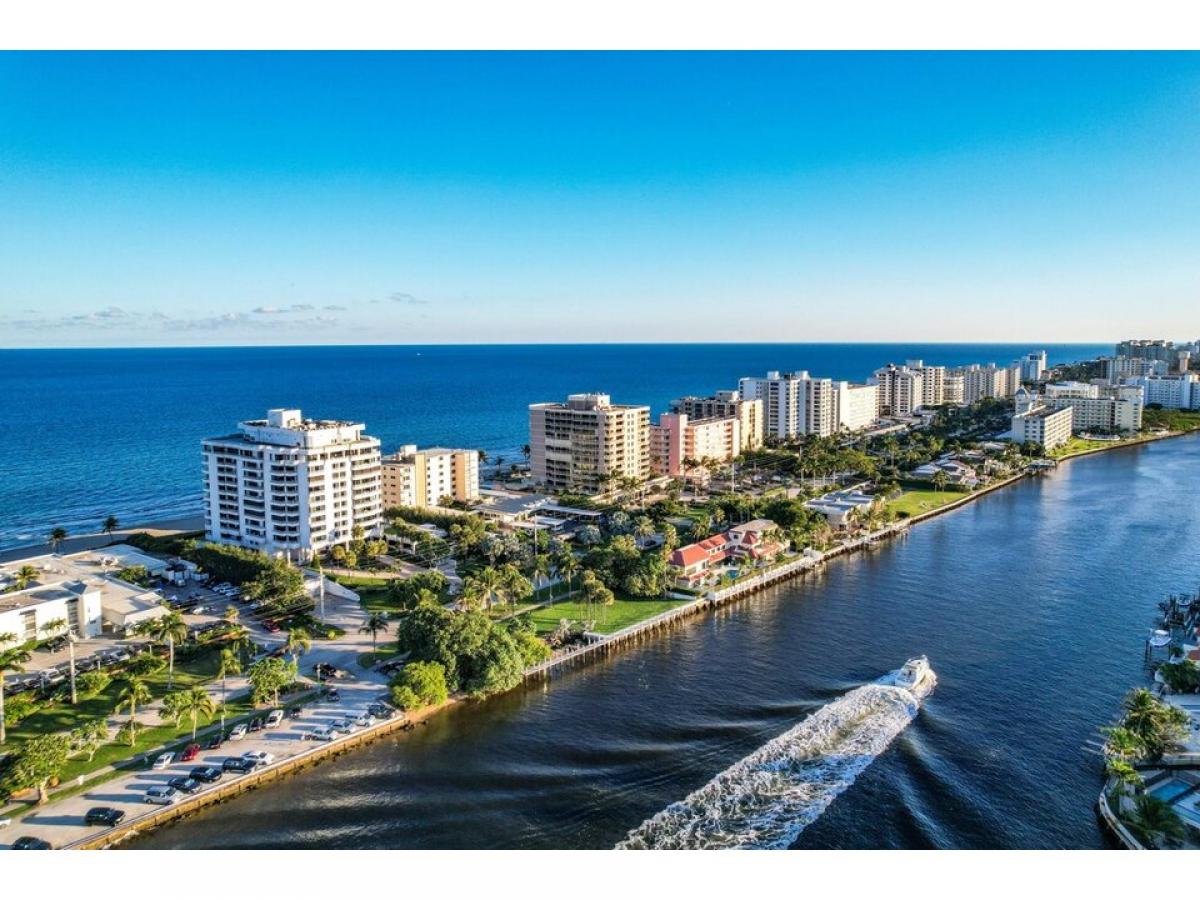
[
  {"x": 160, "y": 794},
  {"x": 324, "y": 733},
  {"x": 274, "y": 717},
  {"x": 238, "y": 732},
  {"x": 164, "y": 760},
  {"x": 363, "y": 719},
  {"x": 259, "y": 757}
]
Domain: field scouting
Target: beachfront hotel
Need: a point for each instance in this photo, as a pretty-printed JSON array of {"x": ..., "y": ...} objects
[
  {"x": 587, "y": 442},
  {"x": 677, "y": 442},
  {"x": 727, "y": 405},
  {"x": 794, "y": 404},
  {"x": 421, "y": 478},
  {"x": 291, "y": 486}
]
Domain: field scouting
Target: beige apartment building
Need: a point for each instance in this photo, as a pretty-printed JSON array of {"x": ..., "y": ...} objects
[
  {"x": 727, "y": 405},
  {"x": 421, "y": 478},
  {"x": 585, "y": 443},
  {"x": 677, "y": 442}
]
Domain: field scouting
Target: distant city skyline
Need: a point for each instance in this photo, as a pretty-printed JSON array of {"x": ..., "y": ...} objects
[{"x": 422, "y": 198}]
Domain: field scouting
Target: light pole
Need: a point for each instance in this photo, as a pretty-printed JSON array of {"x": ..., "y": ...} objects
[{"x": 71, "y": 645}]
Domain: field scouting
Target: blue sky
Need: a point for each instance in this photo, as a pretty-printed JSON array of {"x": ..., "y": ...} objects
[{"x": 161, "y": 199}]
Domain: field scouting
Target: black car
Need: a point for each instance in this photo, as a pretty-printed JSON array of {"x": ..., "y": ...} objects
[
  {"x": 184, "y": 785},
  {"x": 381, "y": 712},
  {"x": 295, "y": 712},
  {"x": 239, "y": 764},
  {"x": 104, "y": 815},
  {"x": 215, "y": 741},
  {"x": 206, "y": 774},
  {"x": 256, "y": 725},
  {"x": 31, "y": 843}
]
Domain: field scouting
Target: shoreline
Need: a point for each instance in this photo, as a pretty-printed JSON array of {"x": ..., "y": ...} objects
[
  {"x": 75, "y": 543},
  {"x": 581, "y": 656}
]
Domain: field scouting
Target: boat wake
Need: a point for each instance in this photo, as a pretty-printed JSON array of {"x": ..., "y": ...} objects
[{"x": 766, "y": 800}]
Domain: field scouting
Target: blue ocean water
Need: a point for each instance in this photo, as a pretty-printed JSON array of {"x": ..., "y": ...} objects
[{"x": 98, "y": 432}]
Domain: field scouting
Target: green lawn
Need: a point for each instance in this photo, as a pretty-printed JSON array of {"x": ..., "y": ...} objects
[
  {"x": 373, "y": 592},
  {"x": 63, "y": 717},
  {"x": 1077, "y": 445},
  {"x": 626, "y": 611},
  {"x": 916, "y": 501}
]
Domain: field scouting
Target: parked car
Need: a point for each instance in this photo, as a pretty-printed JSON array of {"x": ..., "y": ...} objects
[
  {"x": 184, "y": 785},
  {"x": 256, "y": 724},
  {"x": 206, "y": 774},
  {"x": 190, "y": 752},
  {"x": 271, "y": 626},
  {"x": 238, "y": 731},
  {"x": 363, "y": 719},
  {"x": 164, "y": 760},
  {"x": 215, "y": 741},
  {"x": 274, "y": 718},
  {"x": 160, "y": 794},
  {"x": 31, "y": 843},
  {"x": 104, "y": 815},
  {"x": 295, "y": 712},
  {"x": 238, "y": 764},
  {"x": 346, "y": 725},
  {"x": 324, "y": 733},
  {"x": 260, "y": 757},
  {"x": 381, "y": 711}
]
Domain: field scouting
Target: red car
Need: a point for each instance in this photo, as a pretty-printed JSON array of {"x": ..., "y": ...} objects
[
  {"x": 270, "y": 626},
  {"x": 190, "y": 752}
]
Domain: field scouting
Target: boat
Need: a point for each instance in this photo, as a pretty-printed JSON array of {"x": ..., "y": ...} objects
[{"x": 912, "y": 674}]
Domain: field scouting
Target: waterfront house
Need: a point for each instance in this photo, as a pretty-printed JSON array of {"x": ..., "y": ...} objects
[
  {"x": 840, "y": 507},
  {"x": 754, "y": 542}
]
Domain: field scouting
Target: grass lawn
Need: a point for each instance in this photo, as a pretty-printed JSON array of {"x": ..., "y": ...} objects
[
  {"x": 1077, "y": 445},
  {"x": 63, "y": 717},
  {"x": 373, "y": 592},
  {"x": 626, "y": 611},
  {"x": 385, "y": 650},
  {"x": 915, "y": 502}
]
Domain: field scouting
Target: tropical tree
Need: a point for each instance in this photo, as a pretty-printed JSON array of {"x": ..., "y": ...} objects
[
  {"x": 643, "y": 528},
  {"x": 940, "y": 479},
  {"x": 376, "y": 622},
  {"x": 57, "y": 536},
  {"x": 169, "y": 629},
  {"x": 1123, "y": 745},
  {"x": 89, "y": 737},
  {"x": 269, "y": 676},
  {"x": 1154, "y": 822},
  {"x": 193, "y": 703},
  {"x": 110, "y": 525},
  {"x": 297, "y": 644},
  {"x": 135, "y": 693},
  {"x": 479, "y": 590},
  {"x": 53, "y": 627},
  {"x": 541, "y": 567},
  {"x": 37, "y": 763},
  {"x": 567, "y": 565},
  {"x": 231, "y": 664},
  {"x": 25, "y": 574},
  {"x": 11, "y": 660}
]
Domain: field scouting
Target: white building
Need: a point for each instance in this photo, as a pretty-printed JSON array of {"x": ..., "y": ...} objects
[
  {"x": 901, "y": 390},
  {"x": 1071, "y": 389},
  {"x": 291, "y": 486},
  {"x": 933, "y": 382},
  {"x": 1169, "y": 391},
  {"x": 952, "y": 389},
  {"x": 990, "y": 381},
  {"x": 1124, "y": 367},
  {"x": 1033, "y": 366},
  {"x": 794, "y": 403},
  {"x": 1100, "y": 414},
  {"x": 1034, "y": 422},
  {"x": 855, "y": 406},
  {"x": 422, "y": 478}
]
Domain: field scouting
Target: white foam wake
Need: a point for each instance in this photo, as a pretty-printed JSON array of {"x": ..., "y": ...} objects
[{"x": 766, "y": 800}]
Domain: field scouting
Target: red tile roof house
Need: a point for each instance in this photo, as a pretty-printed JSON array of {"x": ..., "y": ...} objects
[{"x": 754, "y": 541}]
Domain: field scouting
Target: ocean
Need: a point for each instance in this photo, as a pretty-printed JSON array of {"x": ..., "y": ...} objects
[
  {"x": 94, "y": 433},
  {"x": 1032, "y": 603}
]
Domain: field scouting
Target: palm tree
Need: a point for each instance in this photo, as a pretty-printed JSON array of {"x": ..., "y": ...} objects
[
  {"x": 11, "y": 660},
  {"x": 1125, "y": 777},
  {"x": 643, "y": 529},
  {"x": 376, "y": 623},
  {"x": 1123, "y": 744},
  {"x": 480, "y": 589},
  {"x": 541, "y": 567},
  {"x": 297, "y": 644},
  {"x": 1154, "y": 822},
  {"x": 193, "y": 703},
  {"x": 526, "y": 451},
  {"x": 135, "y": 693},
  {"x": 567, "y": 565},
  {"x": 231, "y": 664},
  {"x": 25, "y": 574},
  {"x": 169, "y": 629},
  {"x": 110, "y": 525},
  {"x": 52, "y": 627},
  {"x": 939, "y": 480},
  {"x": 57, "y": 536}
]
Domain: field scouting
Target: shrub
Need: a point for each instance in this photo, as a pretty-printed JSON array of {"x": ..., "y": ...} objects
[
  {"x": 404, "y": 697},
  {"x": 145, "y": 664},
  {"x": 19, "y": 708},
  {"x": 424, "y": 682},
  {"x": 89, "y": 684}
]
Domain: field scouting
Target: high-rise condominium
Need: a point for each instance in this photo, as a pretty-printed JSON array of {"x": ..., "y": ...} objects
[
  {"x": 291, "y": 486},
  {"x": 588, "y": 443}
]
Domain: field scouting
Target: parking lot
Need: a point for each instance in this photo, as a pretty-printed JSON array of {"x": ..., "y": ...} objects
[{"x": 321, "y": 720}]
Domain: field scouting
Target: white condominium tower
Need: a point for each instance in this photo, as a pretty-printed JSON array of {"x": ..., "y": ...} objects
[
  {"x": 727, "y": 405},
  {"x": 794, "y": 404},
  {"x": 587, "y": 443},
  {"x": 901, "y": 390},
  {"x": 291, "y": 486},
  {"x": 855, "y": 405}
]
